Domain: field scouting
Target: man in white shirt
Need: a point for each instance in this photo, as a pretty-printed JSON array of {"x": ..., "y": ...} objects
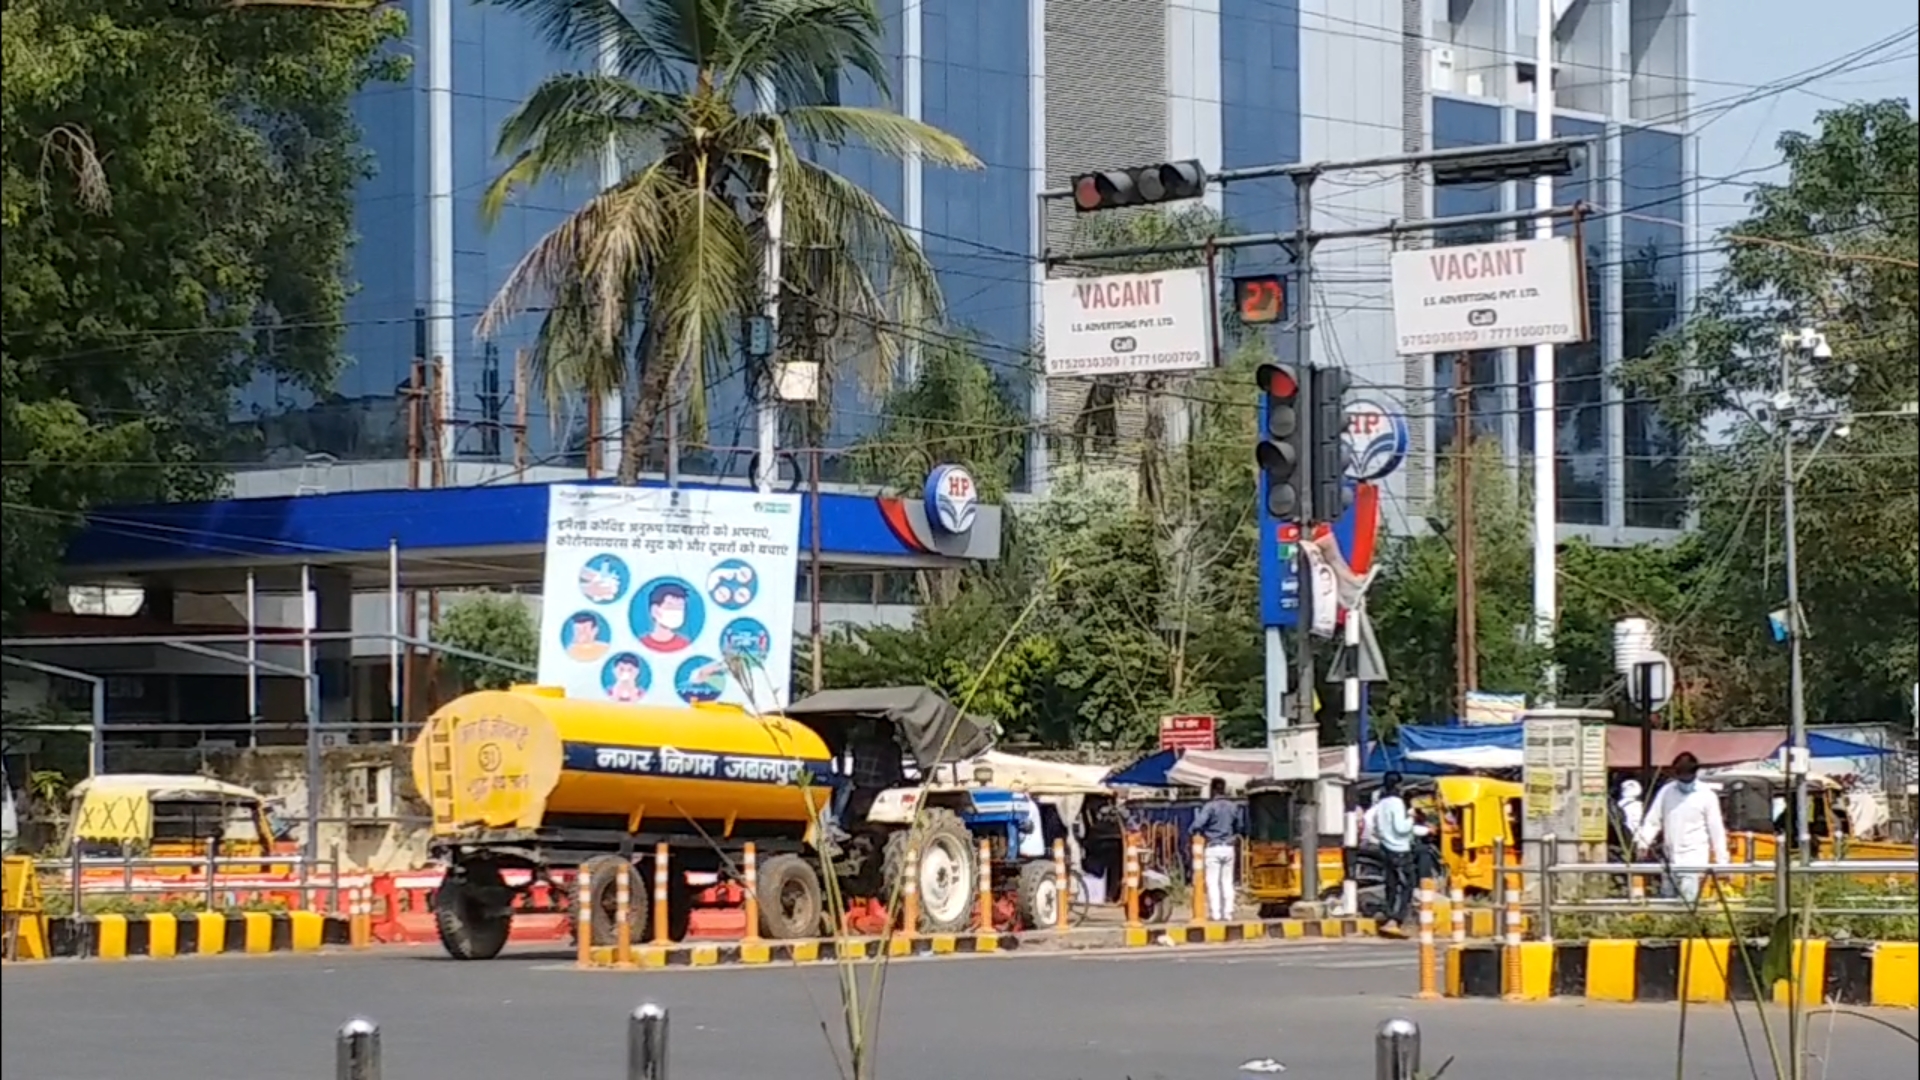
[
  {"x": 1687, "y": 813},
  {"x": 1632, "y": 810}
]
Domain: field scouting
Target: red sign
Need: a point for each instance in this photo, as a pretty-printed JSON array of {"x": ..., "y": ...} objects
[{"x": 1187, "y": 733}]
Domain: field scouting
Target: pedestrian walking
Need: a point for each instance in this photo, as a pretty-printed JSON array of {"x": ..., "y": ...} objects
[
  {"x": 1687, "y": 814},
  {"x": 1397, "y": 832},
  {"x": 1218, "y": 824}
]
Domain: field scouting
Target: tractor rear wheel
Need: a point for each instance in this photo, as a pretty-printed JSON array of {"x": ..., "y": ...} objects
[
  {"x": 947, "y": 871},
  {"x": 788, "y": 891},
  {"x": 472, "y": 912}
]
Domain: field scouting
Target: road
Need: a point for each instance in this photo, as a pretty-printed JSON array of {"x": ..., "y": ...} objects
[{"x": 1193, "y": 1014}]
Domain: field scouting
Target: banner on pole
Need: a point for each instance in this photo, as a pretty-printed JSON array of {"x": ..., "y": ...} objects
[{"x": 669, "y": 597}]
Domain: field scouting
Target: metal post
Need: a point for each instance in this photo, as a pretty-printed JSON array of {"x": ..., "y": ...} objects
[
  {"x": 767, "y": 405},
  {"x": 253, "y": 661},
  {"x": 1549, "y": 847},
  {"x": 97, "y": 732},
  {"x": 1307, "y": 815},
  {"x": 309, "y": 612},
  {"x": 1396, "y": 1050},
  {"x": 815, "y": 612},
  {"x": 1546, "y": 508},
  {"x": 647, "y": 1044},
  {"x": 357, "y": 1050},
  {"x": 393, "y": 636},
  {"x": 1796, "y": 673}
]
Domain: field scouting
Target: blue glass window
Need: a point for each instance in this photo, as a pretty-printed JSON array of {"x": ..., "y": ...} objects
[
  {"x": 1579, "y": 370},
  {"x": 1260, "y": 120},
  {"x": 1458, "y": 124},
  {"x": 1653, "y": 238}
]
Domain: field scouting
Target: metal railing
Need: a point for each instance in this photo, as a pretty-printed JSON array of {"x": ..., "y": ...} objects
[
  {"x": 211, "y": 877},
  {"x": 1396, "y": 1048},
  {"x": 1552, "y": 899}
]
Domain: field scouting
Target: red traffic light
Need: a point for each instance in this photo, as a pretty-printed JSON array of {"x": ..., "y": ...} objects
[
  {"x": 1261, "y": 299},
  {"x": 1086, "y": 193},
  {"x": 1276, "y": 381}
]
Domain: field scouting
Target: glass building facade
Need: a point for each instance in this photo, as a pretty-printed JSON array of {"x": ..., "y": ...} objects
[
  {"x": 1029, "y": 86},
  {"x": 1617, "y": 468}
]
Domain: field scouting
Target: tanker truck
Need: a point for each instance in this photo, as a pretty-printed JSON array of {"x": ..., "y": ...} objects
[{"x": 527, "y": 779}]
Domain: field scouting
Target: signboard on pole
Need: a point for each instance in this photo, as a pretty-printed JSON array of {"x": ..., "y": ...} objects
[
  {"x": 1187, "y": 733},
  {"x": 669, "y": 597},
  {"x": 1128, "y": 324},
  {"x": 1509, "y": 294}
]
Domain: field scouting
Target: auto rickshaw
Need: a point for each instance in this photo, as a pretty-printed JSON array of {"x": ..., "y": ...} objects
[
  {"x": 1272, "y": 861},
  {"x": 162, "y": 816},
  {"x": 1469, "y": 814},
  {"x": 1747, "y": 801}
]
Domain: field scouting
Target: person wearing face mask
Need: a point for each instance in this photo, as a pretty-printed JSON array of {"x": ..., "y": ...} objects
[{"x": 1687, "y": 813}]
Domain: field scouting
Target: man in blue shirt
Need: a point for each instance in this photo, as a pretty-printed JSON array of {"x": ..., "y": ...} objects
[
  {"x": 1217, "y": 824},
  {"x": 1396, "y": 832}
]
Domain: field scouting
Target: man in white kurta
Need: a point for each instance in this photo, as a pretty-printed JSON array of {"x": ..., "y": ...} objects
[{"x": 1687, "y": 813}]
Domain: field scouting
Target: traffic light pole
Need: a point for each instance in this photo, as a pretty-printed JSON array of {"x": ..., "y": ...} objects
[{"x": 1307, "y": 809}]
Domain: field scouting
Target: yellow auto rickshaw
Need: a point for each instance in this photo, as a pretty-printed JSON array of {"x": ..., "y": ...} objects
[
  {"x": 1272, "y": 860},
  {"x": 1748, "y": 801},
  {"x": 162, "y": 816},
  {"x": 1468, "y": 815}
]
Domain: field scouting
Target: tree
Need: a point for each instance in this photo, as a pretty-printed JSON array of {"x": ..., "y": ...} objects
[
  {"x": 176, "y": 203},
  {"x": 499, "y": 625},
  {"x": 649, "y": 281},
  {"x": 953, "y": 412},
  {"x": 1832, "y": 246}
]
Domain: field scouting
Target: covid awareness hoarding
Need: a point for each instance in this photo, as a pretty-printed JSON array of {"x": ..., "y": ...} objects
[{"x": 670, "y": 597}]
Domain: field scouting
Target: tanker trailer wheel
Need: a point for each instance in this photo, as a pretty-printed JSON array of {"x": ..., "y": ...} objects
[
  {"x": 472, "y": 911},
  {"x": 788, "y": 892},
  {"x": 602, "y": 877},
  {"x": 948, "y": 876}
]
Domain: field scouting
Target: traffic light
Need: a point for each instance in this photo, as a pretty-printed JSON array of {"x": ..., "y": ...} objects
[
  {"x": 1278, "y": 454},
  {"x": 1328, "y": 393},
  {"x": 1260, "y": 299},
  {"x": 1144, "y": 186}
]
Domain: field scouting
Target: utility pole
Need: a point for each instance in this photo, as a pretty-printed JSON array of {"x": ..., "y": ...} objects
[
  {"x": 1546, "y": 478},
  {"x": 1811, "y": 342},
  {"x": 1466, "y": 598}
]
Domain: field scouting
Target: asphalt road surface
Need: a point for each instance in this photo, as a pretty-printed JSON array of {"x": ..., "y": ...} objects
[{"x": 1191, "y": 1014}]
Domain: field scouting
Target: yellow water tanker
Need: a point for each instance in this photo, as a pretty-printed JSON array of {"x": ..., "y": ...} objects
[{"x": 529, "y": 757}]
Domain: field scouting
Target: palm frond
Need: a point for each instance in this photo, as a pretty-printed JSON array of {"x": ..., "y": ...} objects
[
  {"x": 885, "y": 132},
  {"x": 644, "y": 47},
  {"x": 798, "y": 46},
  {"x": 569, "y": 123},
  {"x": 568, "y": 357},
  {"x": 601, "y": 255},
  {"x": 706, "y": 278}
]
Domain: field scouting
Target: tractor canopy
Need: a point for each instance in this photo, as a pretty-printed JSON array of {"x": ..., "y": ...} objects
[{"x": 927, "y": 725}]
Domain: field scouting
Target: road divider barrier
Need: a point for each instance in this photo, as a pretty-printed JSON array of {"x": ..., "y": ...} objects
[
  {"x": 1885, "y": 973},
  {"x": 162, "y": 935}
]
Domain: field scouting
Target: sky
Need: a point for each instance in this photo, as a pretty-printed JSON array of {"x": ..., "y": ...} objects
[{"x": 1753, "y": 43}]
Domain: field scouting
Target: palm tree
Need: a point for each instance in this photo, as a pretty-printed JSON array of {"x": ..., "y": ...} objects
[{"x": 649, "y": 282}]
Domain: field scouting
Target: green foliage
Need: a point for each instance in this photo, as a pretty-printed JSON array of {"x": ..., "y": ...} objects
[
  {"x": 1143, "y": 609},
  {"x": 1832, "y": 247},
  {"x": 176, "y": 204},
  {"x": 953, "y": 412},
  {"x": 645, "y": 286},
  {"x": 499, "y": 625}
]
